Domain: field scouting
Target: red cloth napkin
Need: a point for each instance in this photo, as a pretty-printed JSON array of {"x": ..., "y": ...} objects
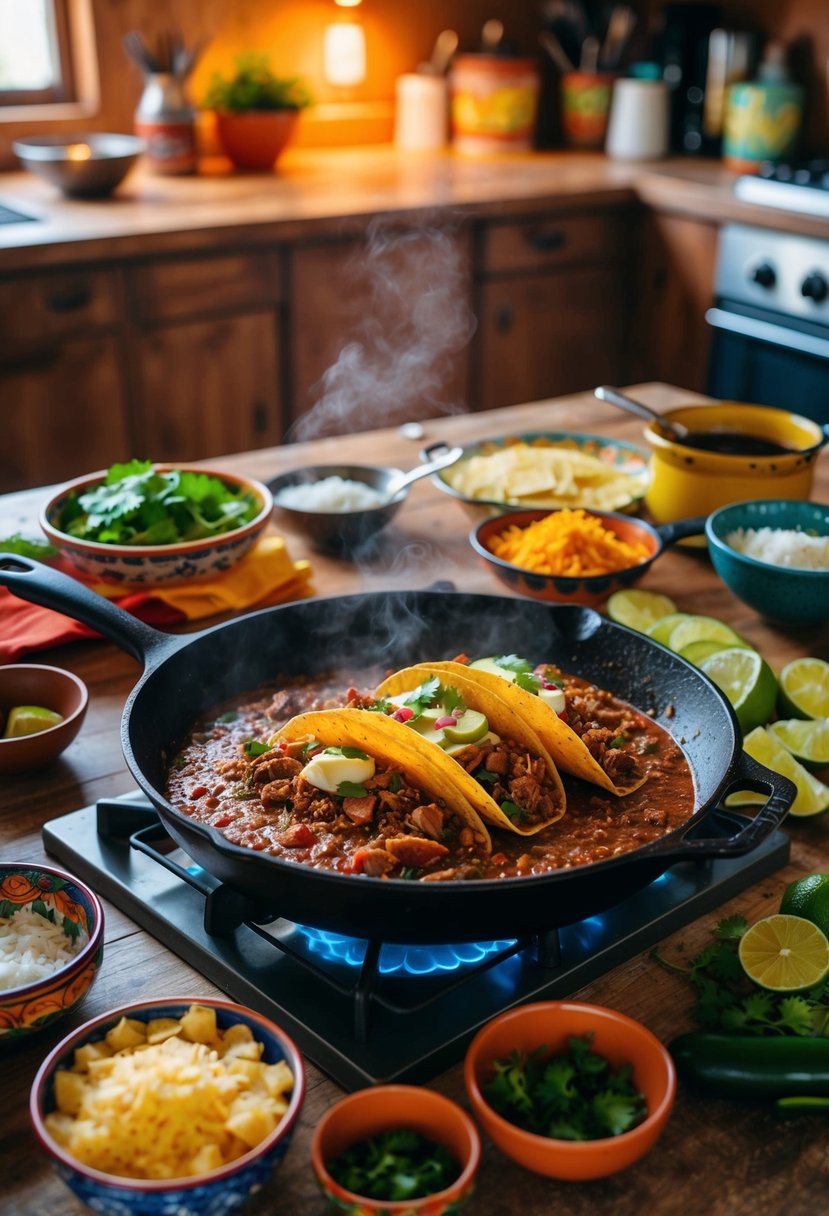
[{"x": 26, "y": 628}]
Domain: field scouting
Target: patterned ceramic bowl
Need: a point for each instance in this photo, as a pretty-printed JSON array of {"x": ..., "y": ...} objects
[
  {"x": 65, "y": 903},
  {"x": 371, "y": 1112},
  {"x": 214, "y": 1193},
  {"x": 622, "y": 458},
  {"x": 137, "y": 566},
  {"x": 780, "y": 593},
  {"x": 549, "y": 1025},
  {"x": 589, "y": 590}
]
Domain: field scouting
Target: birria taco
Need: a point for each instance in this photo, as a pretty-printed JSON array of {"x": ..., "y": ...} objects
[
  {"x": 507, "y": 773},
  {"x": 361, "y": 786},
  {"x": 593, "y": 752}
]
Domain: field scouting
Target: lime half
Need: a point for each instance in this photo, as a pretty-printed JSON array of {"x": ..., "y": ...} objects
[
  {"x": 812, "y": 795},
  {"x": 703, "y": 628},
  {"x": 785, "y": 953},
  {"x": 747, "y": 681},
  {"x": 662, "y": 629},
  {"x": 804, "y": 689},
  {"x": 806, "y": 738},
  {"x": 695, "y": 652},
  {"x": 638, "y": 609},
  {"x": 808, "y": 897}
]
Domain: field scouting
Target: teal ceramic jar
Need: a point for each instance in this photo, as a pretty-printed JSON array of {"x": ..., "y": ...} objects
[{"x": 762, "y": 123}]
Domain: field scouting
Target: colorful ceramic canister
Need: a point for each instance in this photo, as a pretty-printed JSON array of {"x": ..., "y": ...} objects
[
  {"x": 762, "y": 123},
  {"x": 494, "y": 103}
]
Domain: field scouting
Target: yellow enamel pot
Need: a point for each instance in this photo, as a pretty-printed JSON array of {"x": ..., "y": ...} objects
[{"x": 693, "y": 481}]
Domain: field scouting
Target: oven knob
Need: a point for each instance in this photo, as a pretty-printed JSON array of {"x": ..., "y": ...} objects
[
  {"x": 764, "y": 275},
  {"x": 814, "y": 287}
]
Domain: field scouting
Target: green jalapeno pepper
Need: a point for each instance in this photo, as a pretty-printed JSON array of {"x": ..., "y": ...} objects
[{"x": 743, "y": 1066}]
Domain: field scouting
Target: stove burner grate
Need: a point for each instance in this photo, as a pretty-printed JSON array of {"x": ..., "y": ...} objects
[{"x": 362, "y": 1011}]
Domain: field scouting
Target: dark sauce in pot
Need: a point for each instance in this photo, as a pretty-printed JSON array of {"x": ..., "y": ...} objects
[{"x": 735, "y": 443}]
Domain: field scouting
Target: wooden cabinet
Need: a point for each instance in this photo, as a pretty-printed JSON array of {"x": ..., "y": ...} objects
[
  {"x": 63, "y": 393},
  {"x": 676, "y": 288},
  {"x": 550, "y": 298},
  {"x": 379, "y": 329},
  {"x": 206, "y": 355}
]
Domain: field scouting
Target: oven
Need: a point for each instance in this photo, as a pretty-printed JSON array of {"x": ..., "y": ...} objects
[{"x": 770, "y": 319}]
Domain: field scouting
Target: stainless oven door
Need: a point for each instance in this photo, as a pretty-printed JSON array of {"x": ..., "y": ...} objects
[{"x": 769, "y": 364}]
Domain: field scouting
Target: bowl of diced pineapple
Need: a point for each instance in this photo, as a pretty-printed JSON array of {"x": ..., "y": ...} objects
[{"x": 176, "y": 1105}]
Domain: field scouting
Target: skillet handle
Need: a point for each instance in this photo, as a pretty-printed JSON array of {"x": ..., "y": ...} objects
[
  {"x": 680, "y": 528},
  {"x": 40, "y": 584},
  {"x": 748, "y": 774}
]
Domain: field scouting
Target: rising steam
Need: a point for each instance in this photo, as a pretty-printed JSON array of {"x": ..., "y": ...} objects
[{"x": 397, "y": 364}]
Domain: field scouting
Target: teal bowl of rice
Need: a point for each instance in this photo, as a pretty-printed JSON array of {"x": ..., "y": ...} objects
[{"x": 773, "y": 554}]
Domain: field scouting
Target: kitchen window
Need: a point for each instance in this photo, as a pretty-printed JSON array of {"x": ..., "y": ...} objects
[{"x": 35, "y": 54}]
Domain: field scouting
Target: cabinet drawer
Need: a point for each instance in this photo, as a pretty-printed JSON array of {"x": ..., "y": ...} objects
[
  {"x": 184, "y": 287},
  {"x": 550, "y": 240},
  {"x": 38, "y": 308}
]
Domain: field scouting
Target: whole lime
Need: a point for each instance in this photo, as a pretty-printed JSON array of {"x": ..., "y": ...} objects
[{"x": 808, "y": 897}]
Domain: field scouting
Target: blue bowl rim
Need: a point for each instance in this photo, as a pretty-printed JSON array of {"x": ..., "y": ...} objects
[
  {"x": 156, "y": 1007},
  {"x": 79, "y": 961},
  {"x": 718, "y": 543}
]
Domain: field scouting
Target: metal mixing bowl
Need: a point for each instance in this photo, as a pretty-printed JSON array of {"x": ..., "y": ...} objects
[
  {"x": 339, "y": 532},
  {"x": 82, "y": 166}
]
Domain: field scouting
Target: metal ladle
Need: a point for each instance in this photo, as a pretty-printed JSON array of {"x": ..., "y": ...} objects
[
  {"x": 396, "y": 484},
  {"x": 674, "y": 430}
]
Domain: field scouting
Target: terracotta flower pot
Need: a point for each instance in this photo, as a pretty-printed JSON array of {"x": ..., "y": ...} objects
[{"x": 254, "y": 140}]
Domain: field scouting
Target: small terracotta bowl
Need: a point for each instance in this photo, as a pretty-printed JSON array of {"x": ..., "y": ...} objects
[
  {"x": 384, "y": 1108},
  {"x": 67, "y": 902},
  {"x": 155, "y": 565},
  {"x": 590, "y": 590},
  {"x": 213, "y": 1193},
  {"x": 47, "y": 687},
  {"x": 549, "y": 1024}
]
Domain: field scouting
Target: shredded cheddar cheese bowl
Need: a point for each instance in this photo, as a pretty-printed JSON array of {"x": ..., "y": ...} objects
[
  {"x": 572, "y": 556},
  {"x": 176, "y": 1105}
]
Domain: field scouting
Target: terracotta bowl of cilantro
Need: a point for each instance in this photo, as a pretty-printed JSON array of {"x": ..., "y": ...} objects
[
  {"x": 141, "y": 524},
  {"x": 396, "y": 1149},
  {"x": 570, "y": 1090}
]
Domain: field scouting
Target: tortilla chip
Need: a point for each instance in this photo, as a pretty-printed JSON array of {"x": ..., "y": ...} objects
[
  {"x": 425, "y": 767},
  {"x": 503, "y": 722},
  {"x": 562, "y": 742}
]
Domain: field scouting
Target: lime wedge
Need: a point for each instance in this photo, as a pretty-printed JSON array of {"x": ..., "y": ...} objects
[
  {"x": 785, "y": 953},
  {"x": 695, "y": 652},
  {"x": 747, "y": 681},
  {"x": 638, "y": 609},
  {"x": 806, "y": 738},
  {"x": 661, "y": 630},
  {"x": 812, "y": 795},
  {"x": 702, "y": 628},
  {"x": 29, "y": 720},
  {"x": 804, "y": 689}
]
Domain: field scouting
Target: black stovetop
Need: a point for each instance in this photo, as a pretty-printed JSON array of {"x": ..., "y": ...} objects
[{"x": 365, "y": 1012}]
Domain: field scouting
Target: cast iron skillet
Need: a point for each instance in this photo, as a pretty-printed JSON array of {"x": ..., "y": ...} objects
[{"x": 187, "y": 675}]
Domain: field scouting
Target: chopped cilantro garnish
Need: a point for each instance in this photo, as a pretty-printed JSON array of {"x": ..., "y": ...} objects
[
  {"x": 397, "y": 1166},
  {"x": 350, "y": 753},
  {"x": 254, "y": 748},
  {"x": 350, "y": 789},
  {"x": 395, "y": 782},
  {"x": 423, "y": 696},
  {"x": 527, "y": 681},
  {"x": 512, "y": 662},
  {"x": 575, "y": 1095},
  {"x": 512, "y": 810},
  {"x": 486, "y": 777},
  {"x": 24, "y": 546},
  {"x": 451, "y": 699},
  {"x": 137, "y": 505}
]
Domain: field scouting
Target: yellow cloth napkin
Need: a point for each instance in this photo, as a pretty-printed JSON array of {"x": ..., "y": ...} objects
[{"x": 266, "y": 575}]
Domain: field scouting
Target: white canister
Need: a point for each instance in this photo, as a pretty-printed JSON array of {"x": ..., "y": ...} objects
[
  {"x": 638, "y": 124},
  {"x": 421, "y": 121}
]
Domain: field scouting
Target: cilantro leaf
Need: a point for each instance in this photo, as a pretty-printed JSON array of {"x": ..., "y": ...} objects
[
  {"x": 731, "y": 929},
  {"x": 350, "y": 753},
  {"x": 512, "y": 662},
  {"x": 254, "y": 748},
  {"x": 451, "y": 699},
  {"x": 512, "y": 811},
  {"x": 423, "y": 696},
  {"x": 350, "y": 789},
  {"x": 529, "y": 682},
  {"x": 24, "y": 546}
]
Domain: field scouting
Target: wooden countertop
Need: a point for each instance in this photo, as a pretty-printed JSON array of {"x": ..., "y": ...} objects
[
  {"x": 334, "y": 191},
  {"x": 715, "y": 1158}
]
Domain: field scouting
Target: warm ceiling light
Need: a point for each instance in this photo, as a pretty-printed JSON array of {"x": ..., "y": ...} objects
[{"x": 344, "y": 49}]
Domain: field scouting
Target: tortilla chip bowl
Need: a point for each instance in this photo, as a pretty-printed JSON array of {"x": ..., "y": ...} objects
[
  {"x": 587, "y": 590},
  {"x": 214, "y": 1190},
  {"x": 144, "y": 566},
  {"x": 73, "y": 924},
  {"x": 45, "y": 688},
  {"x": 779, "y": 592},
  {"x": 387, "y": 1108},
  {"x": 549, "y": 1025}
]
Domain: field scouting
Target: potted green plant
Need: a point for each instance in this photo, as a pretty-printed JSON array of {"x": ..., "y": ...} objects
[{"x": 256, "y": 111}]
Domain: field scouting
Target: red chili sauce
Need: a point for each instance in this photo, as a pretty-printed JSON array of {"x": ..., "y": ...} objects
[{"x": 209, "y": 780}]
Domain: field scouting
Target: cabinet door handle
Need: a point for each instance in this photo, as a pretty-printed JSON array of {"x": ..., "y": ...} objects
[
  {"x": 504, "y": 317},
  {"x": 69, "y": 300},
  {"x": 260, "y": 417},
  {"x": 544, "y": 242}
]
